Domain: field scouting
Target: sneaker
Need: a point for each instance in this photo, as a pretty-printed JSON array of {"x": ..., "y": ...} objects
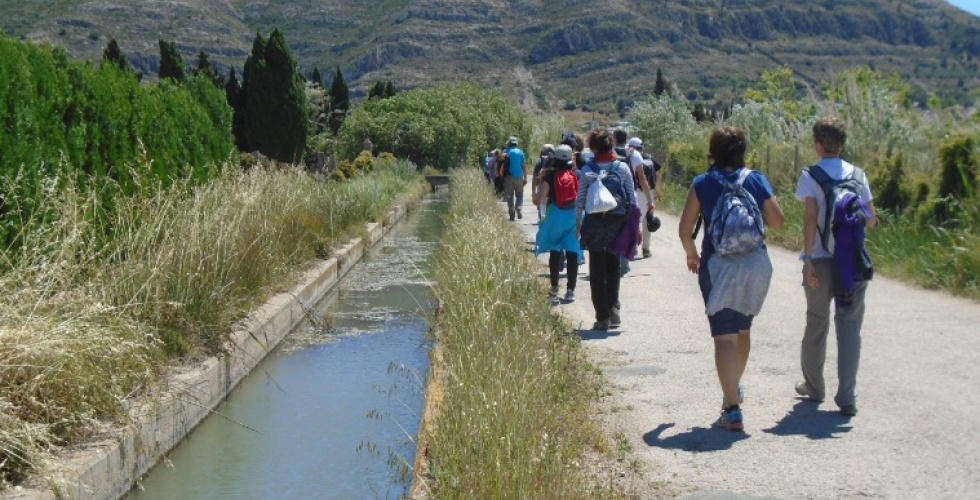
[
  {"x": 802, "y": 391},
  {"x": 519, "y": 216},
  {"x": 511, "y": 217},
  {"x": 570, "y": 295},
  {"x": 601, "y": 325},
  {"x": 614, "y": 319},
  {"x": 849, "y": 410},
  {"x": 731, "y": 419},
  {"x": 741, "y": 397},
  {"x": 646, "y": 253},
  {"x": 553, "y": 292}
]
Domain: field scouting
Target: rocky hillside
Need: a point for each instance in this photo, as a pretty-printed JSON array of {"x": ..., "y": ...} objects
[{"x": 549, "y": 53}]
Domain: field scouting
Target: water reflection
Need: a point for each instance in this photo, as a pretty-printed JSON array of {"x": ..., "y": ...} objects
[{"x": 322, "y": 416}]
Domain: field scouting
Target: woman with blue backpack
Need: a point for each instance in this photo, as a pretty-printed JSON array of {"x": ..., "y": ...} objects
[{"x": 733, "y": 266}]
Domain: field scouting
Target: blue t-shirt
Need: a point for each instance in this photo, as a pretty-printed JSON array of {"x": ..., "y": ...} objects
[
  {"x": 516, "y": 157},
  {"x": 708, "y": 190}
]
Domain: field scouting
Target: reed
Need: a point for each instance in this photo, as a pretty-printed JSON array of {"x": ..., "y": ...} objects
[
  {"x": 90, "y": 312},
  {"x": 514, "y": 420}
]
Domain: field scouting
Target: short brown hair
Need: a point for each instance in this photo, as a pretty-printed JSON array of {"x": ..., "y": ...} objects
[
  {"x": 600, "y": 140},
  {"x": 727, "y": 147},
  {"x": 830, "y": 131}
]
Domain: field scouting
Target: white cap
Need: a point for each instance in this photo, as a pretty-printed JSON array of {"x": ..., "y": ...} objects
[{"x": 635, "y": 142}]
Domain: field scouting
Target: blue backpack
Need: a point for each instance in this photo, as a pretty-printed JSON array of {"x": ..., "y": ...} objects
[{"x": 736, "y": 224}]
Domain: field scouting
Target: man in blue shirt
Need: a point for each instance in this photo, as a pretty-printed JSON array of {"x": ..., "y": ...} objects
[{"x": 515, "y": 180}]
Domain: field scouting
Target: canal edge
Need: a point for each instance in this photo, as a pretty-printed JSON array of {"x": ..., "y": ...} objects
[{"x": 109, "y": 468}]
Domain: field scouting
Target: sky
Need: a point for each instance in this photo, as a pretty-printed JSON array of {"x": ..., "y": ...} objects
[{"x": 967, "y": 5}]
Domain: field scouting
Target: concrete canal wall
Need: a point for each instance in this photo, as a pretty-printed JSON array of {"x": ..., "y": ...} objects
[{"x": 108, "y": 469}]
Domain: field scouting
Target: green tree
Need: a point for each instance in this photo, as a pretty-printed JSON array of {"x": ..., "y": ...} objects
[
  {"x": 443, "y": 127},
  {"x": 318, "y": 78},
  {"x": 339, "y": 101},
  {"x": 205, "y": 69},
  {"x": 171, "y": 62},
  {"x": 114, "y": 55},
  {"x": 275, "y": 110},
  {"x": 661, "y": 85}
]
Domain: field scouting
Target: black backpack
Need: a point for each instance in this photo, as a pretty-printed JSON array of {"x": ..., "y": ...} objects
[
  {"x": 650, "y": 168},
  {"x": 599, "y": 230}
]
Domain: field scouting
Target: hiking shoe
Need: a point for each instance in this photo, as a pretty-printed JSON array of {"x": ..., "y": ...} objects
[
  {"x": 741, "y": 397},
  {"x": 849, "y": 410},
  {"x": 570, "y": 295},
  {"x": 601, "y": 325},
  {"x": 731, "y": 419},
  {"x": 614, "y": 319},
  {"x": 646, "y": 253},
  {"x": 802, "y": 391}
]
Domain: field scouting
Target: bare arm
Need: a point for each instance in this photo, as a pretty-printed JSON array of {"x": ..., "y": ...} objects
[
  {"x": 873, "y": 220},
  {"x": 772, "y": 214},
  {"x": 689, "y": 217},
  {"x": 542, "y": 194},
  {"x": 645, "y": 186}
]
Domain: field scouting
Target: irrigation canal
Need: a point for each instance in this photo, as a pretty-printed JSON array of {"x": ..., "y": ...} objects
[{"x": 331, "y": 413}]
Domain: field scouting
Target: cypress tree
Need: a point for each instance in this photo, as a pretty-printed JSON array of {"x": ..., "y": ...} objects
[
  {"x": 389, "y": 89},
  {"x": 339, "y": 101},
  {"x": 661, "y": 85},
  {"x": 114, "y": 55},
  {"x": 205, "y": 69},
  {"x": 275, "y": 110},
  {"x": 236, "y": 99},
  {"x": 171, "y": 62},
  {"x": 318, "y": 78}
]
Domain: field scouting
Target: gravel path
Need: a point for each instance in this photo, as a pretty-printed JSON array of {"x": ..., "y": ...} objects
[{"x": 917, "y": 435}]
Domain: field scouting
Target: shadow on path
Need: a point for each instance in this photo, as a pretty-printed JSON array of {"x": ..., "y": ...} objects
[
  {"x": 597, "y": 334},
  {"x": 807, "y": 419},
  {"x": 697, "y": 439}
]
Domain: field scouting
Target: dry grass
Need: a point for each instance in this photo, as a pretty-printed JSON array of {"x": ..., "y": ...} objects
[{"x": 90, "y": 310}]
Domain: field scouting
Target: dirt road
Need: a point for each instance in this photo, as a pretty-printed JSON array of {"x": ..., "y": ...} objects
[{"x": 917, "y": 434}]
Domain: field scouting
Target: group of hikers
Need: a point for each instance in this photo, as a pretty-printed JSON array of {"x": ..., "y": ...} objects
[{"x": 590, "y": 190}]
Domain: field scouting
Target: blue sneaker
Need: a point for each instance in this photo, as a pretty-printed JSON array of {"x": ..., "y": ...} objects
[{"x": 731, "y": 419}]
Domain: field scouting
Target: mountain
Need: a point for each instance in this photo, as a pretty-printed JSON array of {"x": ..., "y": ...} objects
[{"x": 547, "y": 53}]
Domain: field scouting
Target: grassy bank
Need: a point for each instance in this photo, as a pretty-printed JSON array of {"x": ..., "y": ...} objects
[
  {"x": 514, "y": 418},
  {"x": 84, "y": 327}
]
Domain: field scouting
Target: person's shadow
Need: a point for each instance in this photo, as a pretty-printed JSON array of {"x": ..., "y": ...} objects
[
  {"x": 589, "y": 334},
  {"x": 807, "y": 419},
  {"x": 698, "y": 439}
]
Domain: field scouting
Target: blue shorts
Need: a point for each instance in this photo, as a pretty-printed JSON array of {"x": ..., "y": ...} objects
[{"x": 725, "y": 321}]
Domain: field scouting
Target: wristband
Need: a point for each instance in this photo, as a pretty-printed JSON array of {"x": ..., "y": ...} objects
[{"x": 805, "y": 258}]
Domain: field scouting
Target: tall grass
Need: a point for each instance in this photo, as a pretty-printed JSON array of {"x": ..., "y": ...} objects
[
  {"x": 514, "y": 418},
  {"x": 84, "y": 327}
]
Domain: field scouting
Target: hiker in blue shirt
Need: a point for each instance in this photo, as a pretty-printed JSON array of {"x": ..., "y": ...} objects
[
  {"x": 516, "y": 175},
  {"x": 733, "y": 286}
]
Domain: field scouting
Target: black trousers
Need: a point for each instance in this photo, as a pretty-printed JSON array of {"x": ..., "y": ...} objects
[
  {"x": 554, "y": 265},
  {"x": 604, "y": 279}
]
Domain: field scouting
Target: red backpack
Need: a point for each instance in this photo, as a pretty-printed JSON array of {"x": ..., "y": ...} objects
[{"x": 566, "y": 187}]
